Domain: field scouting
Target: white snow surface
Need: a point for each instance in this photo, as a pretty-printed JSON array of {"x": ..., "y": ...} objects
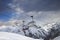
[
  {"x": 13, "y": 36},
  {"x": 57, "y": 38}
]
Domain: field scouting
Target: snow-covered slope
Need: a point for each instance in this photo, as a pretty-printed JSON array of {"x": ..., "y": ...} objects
[
  {"x": 57, "y": 38},
  {"x": 12, "y": 36}
]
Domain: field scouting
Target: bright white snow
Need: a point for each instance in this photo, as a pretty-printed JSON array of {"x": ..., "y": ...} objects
[{"x": 12, "y": 36}]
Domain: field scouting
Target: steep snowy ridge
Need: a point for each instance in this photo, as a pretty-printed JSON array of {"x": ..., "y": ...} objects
[{"x": 54, "y": 31}]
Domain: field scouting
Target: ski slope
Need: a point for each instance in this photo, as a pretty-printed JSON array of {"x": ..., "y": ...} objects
[{"x": 13, "y": 36}]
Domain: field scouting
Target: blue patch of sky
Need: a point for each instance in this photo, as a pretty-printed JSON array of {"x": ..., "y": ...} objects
[{"x": 6, "y": 15}]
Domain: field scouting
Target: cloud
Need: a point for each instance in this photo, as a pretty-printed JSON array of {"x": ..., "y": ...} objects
[
  {"x": 43, "y": 10},
  {"x": 4, "y": 5},
  {"x": 13, "y": 23},
  {"x": 38, "y": 5},
  {"x": 39, "y": 16}
]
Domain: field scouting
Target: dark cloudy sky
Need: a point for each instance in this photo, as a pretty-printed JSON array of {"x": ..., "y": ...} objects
[{"x": 42, "y": 10}]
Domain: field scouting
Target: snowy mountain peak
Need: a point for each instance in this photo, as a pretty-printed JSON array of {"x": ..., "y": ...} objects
[{"x": 32, "y": 24}]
